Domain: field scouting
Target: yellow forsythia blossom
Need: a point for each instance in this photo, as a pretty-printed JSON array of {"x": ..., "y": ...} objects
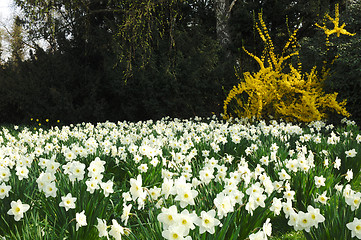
[{"x": 280, "y": 89}]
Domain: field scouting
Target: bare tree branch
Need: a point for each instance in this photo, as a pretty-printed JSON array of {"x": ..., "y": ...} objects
[{"x": 231, "y": 6}]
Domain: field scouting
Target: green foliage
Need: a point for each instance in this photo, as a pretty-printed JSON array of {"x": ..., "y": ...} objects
[
  {"x": 81, "y": 82},
  {"x": 144, "y": 24},
  {"x": 17, "y": 41},
  {"x": 79, "y": 78},
  {"x": 346, "y": 78},
  {"x": 289, "y": 236}
]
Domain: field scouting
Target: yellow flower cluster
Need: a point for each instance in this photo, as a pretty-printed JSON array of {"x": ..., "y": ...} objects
[
  {"x": 336, "y": 29},
  {"x": 280, "y": 89}
]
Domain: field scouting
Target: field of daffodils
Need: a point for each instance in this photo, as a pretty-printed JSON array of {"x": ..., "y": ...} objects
[{"x": 180, "y": 179}]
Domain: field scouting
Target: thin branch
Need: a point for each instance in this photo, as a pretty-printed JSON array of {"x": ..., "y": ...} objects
[{"x": 231, "y": 6}]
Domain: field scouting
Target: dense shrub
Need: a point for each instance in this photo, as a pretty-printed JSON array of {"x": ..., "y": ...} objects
[
  {"x": 77, "y": 86},
  {"x": 284, "y": 91}
]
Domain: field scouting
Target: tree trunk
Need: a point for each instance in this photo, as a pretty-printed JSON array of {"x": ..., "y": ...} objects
[{"x": 222, "y": 15}]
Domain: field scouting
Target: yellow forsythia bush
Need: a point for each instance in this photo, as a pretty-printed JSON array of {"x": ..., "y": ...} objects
[{"x": 282, "y": 90}]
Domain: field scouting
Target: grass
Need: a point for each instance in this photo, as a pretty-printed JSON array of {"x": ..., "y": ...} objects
[{"x": 290, "y": 235}]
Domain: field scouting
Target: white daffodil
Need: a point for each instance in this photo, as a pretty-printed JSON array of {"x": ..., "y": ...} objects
[
  {"x": 355, "y": 228},
  {"x": 22, "y": 172},
  {"x": 284, "y": 175},
  {"x": 107, "y": 187},
  {"x": 186, "y": 196},
  {"x": 236, "y": 196},
  {"x": 4, "y": 174},
  {"x": 4, "y": 190},
  {"x": 207, "y": 222},
  {"x": 168, "y": 216},
  {"x": 353, "y": 200},
  {"x": 349, "y": 175},
  {"x": 52, "y": 166},
  {"x": 276, "y": 206},
  {"x": 337, "y": 164},
  {"x": 50, "y": 190},
  {"x": 143, "y": 168},
  {"x": 80, "y": 220},
  {"x": 255, "y": 189},
  {"x": 44, "y": 179},
  {"x": 126, "y": 213},
  {"x": 206, "y": 175},
  {"x": 96, "y": 167},
  {"x": 18, "y": 209},
  {"x": 287, "y": 208},
  {"x": 176, "y": 232},
  {"x": 322, "y": 198},
  {"x": 267, "y": 227},
  {"x": 92, "y": 185},
  {"x": 116, "y": 230},
  {"x": 68, "y": 202},
  {"x": 187, "y": 220},
  {"x": 154, "y": 193},
  {"x": 102, "y": 228},
  {"x": 251, "y": 205},
  {"x": 167, "y": 186},
  {"x": 304, "y": 221},
  {"x": 223, "y": 204},
  {"x": 260, "y": 235},
  {"x": 315, "y": 215},
  {"x": 136, "y": 187},
  {"x": 319, "y": 181},
  {"x": 76, "y": 171},
  {"x": 351, "y": 153}
]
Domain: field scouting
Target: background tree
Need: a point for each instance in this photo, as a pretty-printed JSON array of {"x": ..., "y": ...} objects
[{"x": 16, "y": 41}]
